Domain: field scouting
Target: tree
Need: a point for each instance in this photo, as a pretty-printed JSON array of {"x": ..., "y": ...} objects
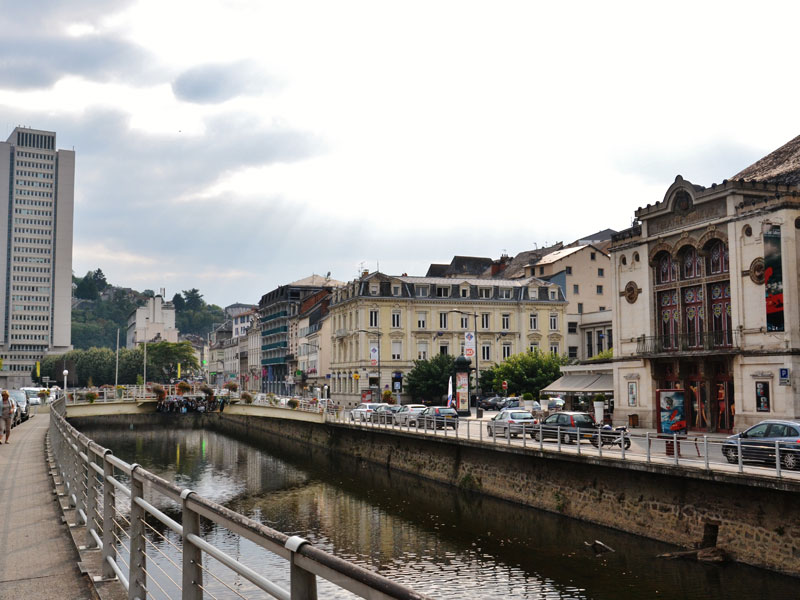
[
  {"x": 99, "y": 280},
  {"x": 87, "y": 288},
  {"x": 526, "y": 372},
  {"x": 427, "y": 381},
  {"x": 163, "y": 359},
  {"x": 194, "y": 299},
  {"x": 178, "y": 302}
]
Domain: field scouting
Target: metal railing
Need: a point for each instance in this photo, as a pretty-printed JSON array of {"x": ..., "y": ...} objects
[
  {"x": 705, "y": 452},
  {"x": 724, "y": 341},
  {"x": 108, "y": 497}
]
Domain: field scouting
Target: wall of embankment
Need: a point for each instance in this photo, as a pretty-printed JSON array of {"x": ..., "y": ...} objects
[{"x": 758, "y": 518}]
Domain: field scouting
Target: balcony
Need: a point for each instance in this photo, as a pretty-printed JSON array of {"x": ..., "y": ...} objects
[
  {"x": 273, "y": 346},
  {"x": 274, "y": 316},
  {"x": 708, "y": 342},
  {"x": 274, "y": 330}
]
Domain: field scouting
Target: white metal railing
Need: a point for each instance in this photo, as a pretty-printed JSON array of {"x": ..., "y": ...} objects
[
  {"x": 711, "y": 453},
  {"x": 94, "y": 479}
]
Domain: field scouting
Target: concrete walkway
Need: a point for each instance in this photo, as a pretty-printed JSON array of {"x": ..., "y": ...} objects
[{"x": 37, "y": 556}]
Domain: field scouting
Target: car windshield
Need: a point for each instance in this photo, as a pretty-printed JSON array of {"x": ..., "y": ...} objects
[
  {"x": 583, "y": 421},
  {"x": 521, "y": 415},
  {"x": 447, "y": 411},
  {"x": 17, "y": 395}
]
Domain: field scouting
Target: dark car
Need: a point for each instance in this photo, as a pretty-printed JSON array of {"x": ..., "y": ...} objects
[
  {"x": 384, "y": 413},
  {"x": 566, "y": 424},
  {"x": 758, "y": 443},
  {"x": 23, "y": 405},
  {"x": 511, "y": 422},
  {"x": 438, "y": 417},
  {"x": 490, "y": 403}
]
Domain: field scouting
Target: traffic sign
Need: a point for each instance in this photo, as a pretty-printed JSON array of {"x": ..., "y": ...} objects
[
  {"x": 505, "y": 385},
  {"x": 356, "y": 376}
]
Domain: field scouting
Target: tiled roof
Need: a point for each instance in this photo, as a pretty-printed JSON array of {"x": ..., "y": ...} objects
[
  {"x": 447, "y": 281},
  {"x": 779, "y": 167}
]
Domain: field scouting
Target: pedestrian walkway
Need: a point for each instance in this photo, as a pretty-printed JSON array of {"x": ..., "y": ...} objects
[{"x": 37, "y": 557}]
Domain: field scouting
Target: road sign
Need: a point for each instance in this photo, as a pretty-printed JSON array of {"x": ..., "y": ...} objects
[
  {"x": 505, "y": 385},
  {"x": 46, "y": 379},
  {"x": 784, "y": 376},
  {"x": 356, "y": 376}
]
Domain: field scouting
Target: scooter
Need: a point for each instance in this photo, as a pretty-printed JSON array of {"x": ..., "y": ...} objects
[{"x": 606, "y": 436}]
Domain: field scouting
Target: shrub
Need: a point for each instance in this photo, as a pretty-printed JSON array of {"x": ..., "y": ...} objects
[
  {"x": 43, "y": 394},
  {"x": 184, "y": 387},
  {"x": 292, "y": 403},
  {"x": 247, "y": 397},
  {"x": 527, "y": 396},
  {"x": 91, "y": 397},
  {"x": 231, "y": 386},
  {"x": 388, "y": 397},
  {"x": 159, "y": 391}
]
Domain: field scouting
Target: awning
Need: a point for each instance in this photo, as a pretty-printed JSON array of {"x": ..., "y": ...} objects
[{"x": 594, "y": 383}]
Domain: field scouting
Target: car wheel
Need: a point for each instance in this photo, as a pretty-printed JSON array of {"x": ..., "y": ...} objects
[
  {"x": 535, "y": 435},
  {"x": 791, "y": 460},
  {"x": 565, "y": 438},
  {"x": 730, "y": 454},
  {"x": 595, "y": 442}
]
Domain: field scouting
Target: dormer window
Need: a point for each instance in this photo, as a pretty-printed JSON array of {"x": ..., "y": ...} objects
[
  {"x": 373, "y": 289},
  {"x": 485, "y": 292},
  {"x": 442, "y": 291},
  {"x": 422, "y": 291},
  {"x": 395, "y": 290},
  {"x": 465, "y": 292},
  {"x": 553, "y": 295},
  {"x": 505, "y": 293}
]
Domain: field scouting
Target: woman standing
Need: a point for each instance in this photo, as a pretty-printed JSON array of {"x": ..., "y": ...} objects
[{"x": 5, "y": 414}]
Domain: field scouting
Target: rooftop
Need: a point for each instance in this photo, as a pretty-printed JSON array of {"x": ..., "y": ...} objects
[{"x": 781, "y": 166}]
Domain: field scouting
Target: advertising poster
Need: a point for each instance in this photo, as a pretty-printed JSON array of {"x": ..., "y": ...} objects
[
  {"x": 462, "y": 391},
  {"x": 671, "y": 411},
  {"x": 762, "y": 396},
  {"x": 773, "y": 279}
]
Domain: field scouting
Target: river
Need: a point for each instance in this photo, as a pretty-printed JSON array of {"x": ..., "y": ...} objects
[{"x": 432, "y": 538}]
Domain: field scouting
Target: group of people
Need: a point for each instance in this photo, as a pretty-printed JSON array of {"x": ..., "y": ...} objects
[
  {"x": 6, "y": 413},
  {"x": 184, "y": 404}
]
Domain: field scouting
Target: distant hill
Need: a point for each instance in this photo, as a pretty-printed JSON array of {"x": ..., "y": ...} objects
[{"x": 99, "y": 309}]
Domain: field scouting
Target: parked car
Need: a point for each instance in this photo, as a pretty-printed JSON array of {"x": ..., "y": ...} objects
[
  {"x": 567, "y": 424},
  {"x": 384, "y": 414},
  {"x": 438, "y": 417},
  {"x": 511, "y": 422},
  {"x": 363, "y": 410},
  {"x": 758, "y": 443},
  {"x": 15, "y": 412},
  {"x": 407, "y": 415},
  {"x": 23, "y": 405},
  {"x": 511, "y": 402},
  {"x": 490, "y": 403}
]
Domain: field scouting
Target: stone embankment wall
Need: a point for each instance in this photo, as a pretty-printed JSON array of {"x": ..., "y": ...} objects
[{"x": 759, "y": 519}]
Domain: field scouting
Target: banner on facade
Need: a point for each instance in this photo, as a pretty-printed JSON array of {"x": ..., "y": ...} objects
[
  {"x": 671, "y": 411},
  {"x": 374, "y": 353},
  {"x": 773, "y": 278},
  {"x": 469, "y": 344}
]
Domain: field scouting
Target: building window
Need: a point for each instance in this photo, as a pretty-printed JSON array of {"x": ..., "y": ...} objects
[
  {"x": 599, "y": 341},
  {"x": 600, "y": 273},
  {"x": 442, "y": 291},
  {"x": 554, "y": 349},
  {"x": 422, "y": 350},
  {"x": 464, "y": 292},
  {"x": 593, "y": 256},
  {"x": 396, "y": 349},
  {"x": 569, "y": 270},
  {"x": 533, "y": 347},
  {"x": 373, "y": 289},
  {"x": 444, "y": 348},
  {"x": 553, "y": 321},
  {"x": 553, "y": 294},
  {"x": 600, "y": 289},
  {"x": 505, "y": 293},
  {"x": 572, "y": 352},
  {"x": 506, "y": 350},
  {"x": 485, "y": 320},
  {"x": 534, "y": 321},
  {"x": 575, "y": 289},
  {"x": 422, "y": 291},
  {"x": 589, "y": 347},
  {"x": 464, "y": 321},
  {"x": 572, "y": 327},
  {"x": 373, "y": 318},
  {"x": 395, "y": 290},
  {"x": 484, "y": 292},
  {"x": 609, "y": 339},
  {"x": 580, "y": 308},
  {"x": 541, "y": 270},
  {"x": 442, "y": 320},
  {"x": 396, "y": 318},
  {"x": 505, "y": 321},
  {"x": 486, "y": 352},
  {"x": 422, "y": 320},
  {"x": 718, "y": 258}
]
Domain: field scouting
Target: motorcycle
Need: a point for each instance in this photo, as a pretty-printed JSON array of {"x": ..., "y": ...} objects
[{"x": 606, "y": 436}]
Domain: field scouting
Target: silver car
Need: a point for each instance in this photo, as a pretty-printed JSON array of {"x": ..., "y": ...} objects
[
  {"x": 407, "y": 415},
  {"x": 364, "y": 410},
  {"x": 511, "y": 422}
]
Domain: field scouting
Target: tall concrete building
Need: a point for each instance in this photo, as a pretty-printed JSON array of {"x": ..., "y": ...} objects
[{"x": 37, "y": 183}]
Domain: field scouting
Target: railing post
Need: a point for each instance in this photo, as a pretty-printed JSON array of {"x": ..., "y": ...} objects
[
  {"x": 109, "y": 506},
  {"x": 136, "y": 560},
  {"x": 623, "y": 439},
  {"x": 558, "y": 433},
  {"x": 705, "y": 450},
  {"x": 739, "y": 454},
  {"x": 578, "y": 440},
  {"x": 647, "y": 440},
  {"x": 675, "y": 447},
  {"x": 91, "y": 500},
  {"x": 777, "y": 458},
  {"x": 303, "y": 584},
  {"x": 524, "y": 442},
  {"x": 541, "y": 436},
  {"x": 192, "y": 555}
]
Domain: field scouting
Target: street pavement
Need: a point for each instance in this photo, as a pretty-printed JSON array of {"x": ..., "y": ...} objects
[{"x": 37, "y": 557}]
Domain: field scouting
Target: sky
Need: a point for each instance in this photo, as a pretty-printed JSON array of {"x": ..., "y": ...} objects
[{"x": 237, "y": 145}]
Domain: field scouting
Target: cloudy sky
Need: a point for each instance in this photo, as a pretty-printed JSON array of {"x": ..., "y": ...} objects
[{"x": 237, "y": 145}]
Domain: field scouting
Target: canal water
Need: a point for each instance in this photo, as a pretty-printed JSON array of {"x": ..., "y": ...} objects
[{"x": 434, "y": 539}]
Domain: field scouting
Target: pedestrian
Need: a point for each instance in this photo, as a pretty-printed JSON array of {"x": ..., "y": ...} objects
[{"x": 5, "y": 414}]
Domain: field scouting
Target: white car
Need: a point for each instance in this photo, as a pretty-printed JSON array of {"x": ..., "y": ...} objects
[
  {"x": 362, "y": 411},
  {"x": 407, "y": 415}
]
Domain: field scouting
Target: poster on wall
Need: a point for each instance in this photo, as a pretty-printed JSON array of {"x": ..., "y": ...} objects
[
  {"x": 632, "y": 393},
  {"x": 671, "y": 411},
  {"x": 773, "y": 278},
  {"x": 462, "y": 391},
  {"x": 762, "y": 396}
]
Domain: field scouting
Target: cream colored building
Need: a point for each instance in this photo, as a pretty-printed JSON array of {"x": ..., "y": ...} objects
[
  {"x": 155, "y": 321},
  {"x": 705, "y": 299},
  {"x": 380, "y": 324}
]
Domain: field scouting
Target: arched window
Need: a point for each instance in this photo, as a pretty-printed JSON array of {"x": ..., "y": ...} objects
[
  {"x": 666, "y": 270},
  {"x": 717, "y": 257},
  {"x": 690, "y": 263}
]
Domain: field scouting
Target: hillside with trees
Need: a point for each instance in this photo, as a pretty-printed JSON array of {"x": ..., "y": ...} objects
[{"x": 99, "y": 309}]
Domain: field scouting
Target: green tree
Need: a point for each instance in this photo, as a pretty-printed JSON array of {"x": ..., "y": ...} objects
[
  {"x": 193, "y": 299},
  {"x": 178, "y": 302},
  {"x": 87, "y": 288},
  {"x": 163, "y": 359},
  {"x": 428, "y": 379},
  {"x": 526, "y": 372},
  {"x": 99, "y": 280}
]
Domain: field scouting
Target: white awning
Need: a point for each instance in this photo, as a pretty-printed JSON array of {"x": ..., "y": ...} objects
[{"x": 580, "y": 384}]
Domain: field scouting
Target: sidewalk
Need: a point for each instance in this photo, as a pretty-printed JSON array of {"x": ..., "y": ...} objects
[{"x": 37, "y": 557}]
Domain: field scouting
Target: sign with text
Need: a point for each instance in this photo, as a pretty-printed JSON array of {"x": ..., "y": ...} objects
[
  {"x": 469, "y": 344},
  {"x": 462, "y": 391},
  {"x": 373, "y": 353}
]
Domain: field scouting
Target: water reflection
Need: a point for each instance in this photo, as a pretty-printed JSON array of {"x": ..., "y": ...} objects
[{"x": 434, "y": 539}]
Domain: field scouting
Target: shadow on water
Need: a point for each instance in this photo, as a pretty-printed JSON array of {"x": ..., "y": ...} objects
[{"x": 438, "y": 540}]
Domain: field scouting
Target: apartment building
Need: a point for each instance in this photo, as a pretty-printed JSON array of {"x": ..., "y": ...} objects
[
  {"x": 153, "y": 322},
  {"x": 381, "y": 323},
  {"x": 35, "y": 292}
]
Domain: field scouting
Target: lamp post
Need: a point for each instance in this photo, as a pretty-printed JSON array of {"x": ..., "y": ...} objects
[
  {"x": 379, "y": 334},
  {"x": 65, "y": 373}
]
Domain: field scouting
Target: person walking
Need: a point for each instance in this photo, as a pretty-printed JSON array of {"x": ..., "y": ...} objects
[{"x": 5, "y": 414}]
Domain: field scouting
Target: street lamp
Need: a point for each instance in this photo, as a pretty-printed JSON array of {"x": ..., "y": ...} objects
[
  {"x": 379, "y": 334},
  {"x": 65, "y": 373}
]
